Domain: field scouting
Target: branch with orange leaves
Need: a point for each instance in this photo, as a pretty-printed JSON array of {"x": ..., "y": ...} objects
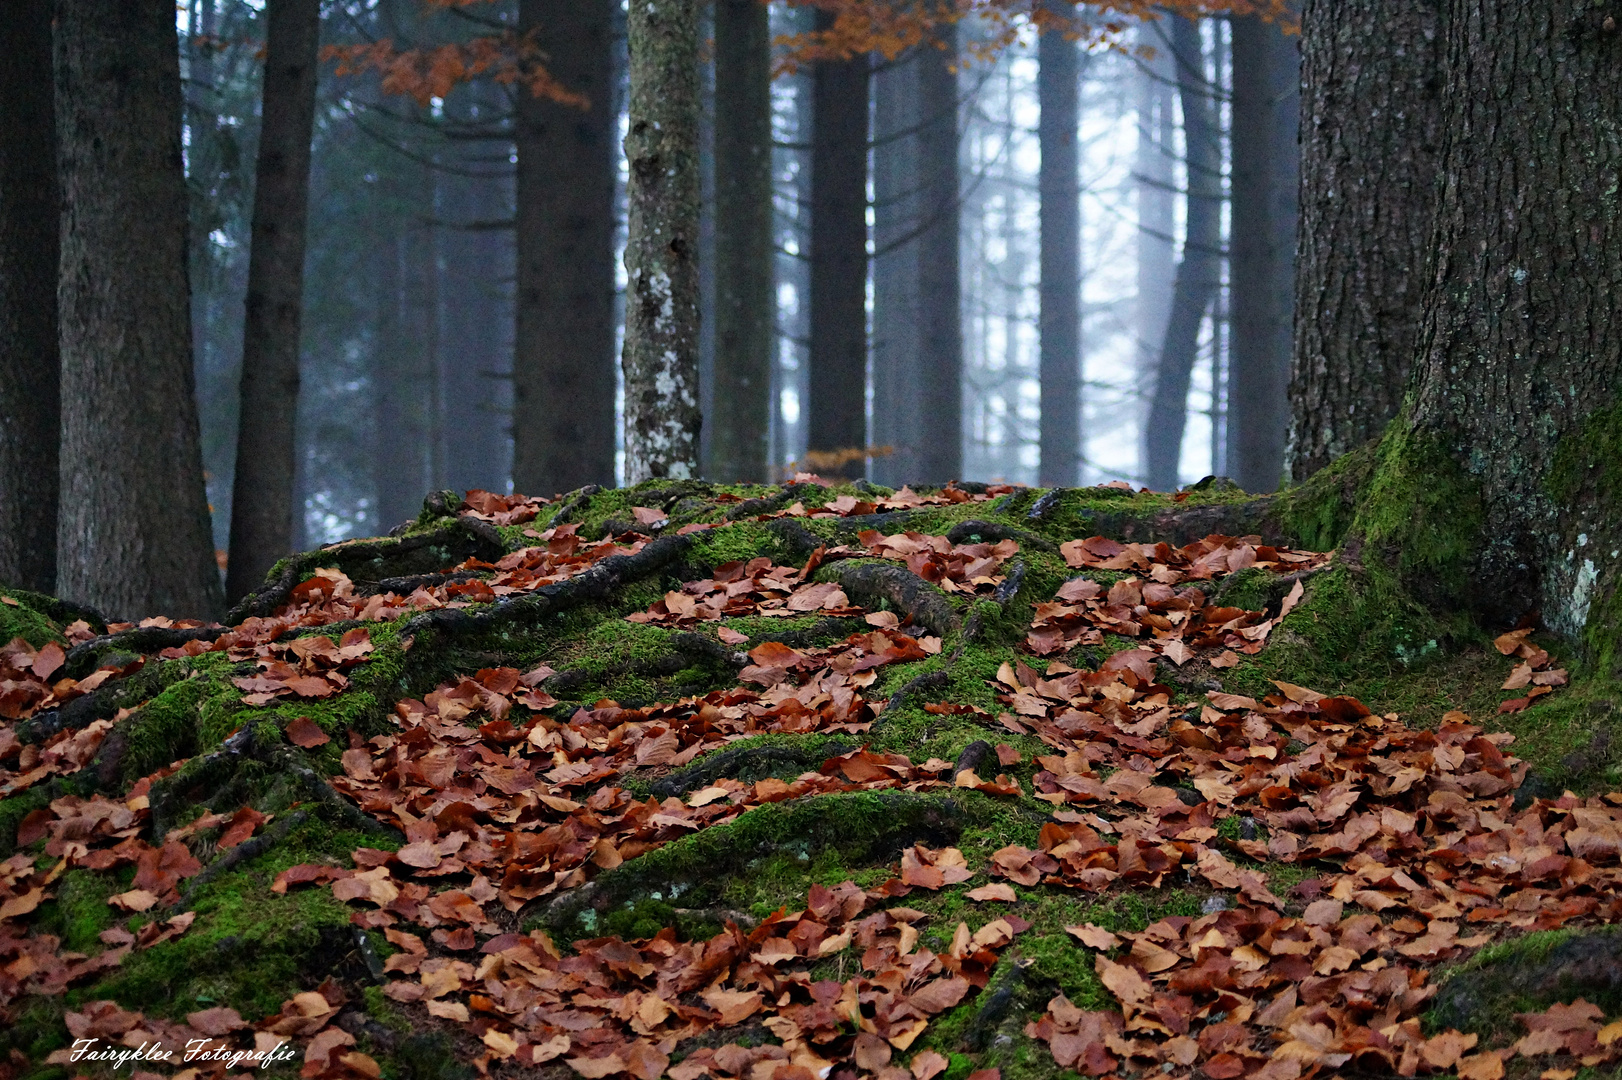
[{"x": 427, "y": 73}]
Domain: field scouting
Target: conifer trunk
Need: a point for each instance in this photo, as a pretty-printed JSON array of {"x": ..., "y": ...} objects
[
  {"x": 1370, "y": 140},
  {"x": 661, "y": 305},
  {"x": 1520, "y": 343},
  {"x": 133, "y": 536},
  {"x": 1199, "y": 270},
  {"x": 563, "y": 353},
  {"x": 745, "y": 303},
  {"x": 940, "y": 448},
  {"x": 30, "y": 215},
  {"x": 837, "y": 410},
  {"x": 262, "y": 487},
  {"x": 1059, "y": 326},
  {"x": 1266, "y": 175}
]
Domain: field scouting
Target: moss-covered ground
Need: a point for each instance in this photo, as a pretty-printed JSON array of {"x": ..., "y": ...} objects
[{"x": 1360, "y": 630}]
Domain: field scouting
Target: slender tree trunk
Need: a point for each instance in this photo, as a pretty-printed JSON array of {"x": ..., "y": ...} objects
[
  {"x": 1370, "y": 139},
  {"x": 898, "y": 212},
  {"x": 1520, "y": 343},
  {"x": 837, "y": 410},
  {"x": 661, "y": 305},
  {"x": 917, "y": 326},
  {"x": 563, "y": 356},
  {"x": 1059, "y": 324},
  {"x": 1199, "y": 270},
  {"x": 262, "y": 488},
  {"x": 745, "y": 303},
  {"x": 940, "y": 456},
  {"x": 396, "y": 445},
  {"x": 133, "y": 535},
  {"x": 30, "y": 367},
  {"x": 1266, "y": 175},
  {"x": 1153, "y": 174}
]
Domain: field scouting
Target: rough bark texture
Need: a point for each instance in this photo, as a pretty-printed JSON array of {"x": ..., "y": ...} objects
[
  {"x": 1266, "y": 175},
  {"x": 133, "y": 534},
  {"x": 1370, "y": 138},
  {"x": 1520, "y": 348},
  {"x": 262, "y": 485},
  {"x": 1199, "y": 270},
  {"x": 563, "y": 356},
  {"x": 661, "y": 306},
  {"x": 837, "y": 410},
  {"x": 745, "y": 303},
  {"x": 1157, "y": 209},
  {"x": 30, "y": 208},
  {"x": 1059, "y": 325},
  {"x": 917, "y": 326}
]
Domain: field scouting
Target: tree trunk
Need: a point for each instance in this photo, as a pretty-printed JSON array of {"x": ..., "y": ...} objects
[
  {"x": 1157, "y": 214},
  {"x": 837, "y": 410},
  {"x": 1520, "y": 344},
  {"x": 745, "y": 303},
  {"x": 940, "y": 450},
  {"x": 133, "y": 535},
  {"x": 262, "y": 488},
  {"x": 1059, "y": 324},
  {"x": 396, "y": 438},
  {"x": 1199, "y": 270},
  {"x": 30, "y": 215},
  {"x": 1370, "y": 141},
  {"x": 917, "y": 330},
  {"x": 1266, "y": 175},
  {"x": 661, "y": 304},
  {"x": 563, "y": 355}
]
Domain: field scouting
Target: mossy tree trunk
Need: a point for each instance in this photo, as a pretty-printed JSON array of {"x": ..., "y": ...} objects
[
  {"x": 1371, "y": 107},
  {"x": 661, "y": 252},
  {"x": 1058, "y": 88},
  {"x": 1500, "y": 477}
]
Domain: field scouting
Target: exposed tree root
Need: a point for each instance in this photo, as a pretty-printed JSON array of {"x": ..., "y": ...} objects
[
  {"x": 785, "y": 496},
  {"x": 867, "y": 583},
  {"x": 590, "y": 585},
  {"x": 104, "y": 701},
  {"x": 974, "y": 531},
  {"x": 251, "y": 848},
  {"x": 744, "y": 763},
  {"x": 375, "y": 560},
  {"x": 972, "y": 757},
  {"x": 573, "y": 505},
  {"x": 979, "y": 626},
  {"x": 929, "y": 682},
  {"x": 83, "y": 657}
]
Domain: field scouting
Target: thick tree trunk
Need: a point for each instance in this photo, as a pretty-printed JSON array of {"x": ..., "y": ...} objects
[
  {"x": 917, "y": 328},
  {"x": 563, "y": 356},
  {"x": 745, "y": 303},
  {"x": 1157, "y": 213},
  {"x": 1370, "y": 138},
  {"x": 1200, "y": 268},
  {"x": 30, "y": 368},
  {"x": 1266, "y": 175},
  {"x": 1059, "y": 325},
  {"x": 1520, "y": 345},
  {"x": 133, "y": 534},
  {"x": 262, "y": 487},
  {"x": 837, "y": 410},
  {"x": 661, "y": 304}
]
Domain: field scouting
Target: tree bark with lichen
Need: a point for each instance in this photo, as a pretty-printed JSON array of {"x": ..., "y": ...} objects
[{"x": 661, "y": 311}]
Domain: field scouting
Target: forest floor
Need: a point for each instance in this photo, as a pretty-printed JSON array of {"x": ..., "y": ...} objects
[{"x": 807, "y": 782}]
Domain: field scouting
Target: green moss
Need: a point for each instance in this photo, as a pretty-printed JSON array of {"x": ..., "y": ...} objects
[
  {"x": 14, "y": 809},
  {"x": 1318, "y": 513},
  {"x": 1527, "y": 974},
  {"x": 21, "y": 620},
  {"x": 1421, "y": 515}
]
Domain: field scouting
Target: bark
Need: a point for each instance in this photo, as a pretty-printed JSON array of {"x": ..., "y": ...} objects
[
  {"x": 917, "y": 328},
  {"x": 661, "y": 305},
  {"x": 133, "y": 536},
  {"x": 837, "y": 409},
  {"x": 563, "y": 356},
  {"x": 396, "y": 459},
  {"x": 1059, "y": 324},
  {"x": 1198, "y": 270},
  {"x": 30, "y": 211},
  {"x": 1370, "y": 143},
  {"x": 1520, "y": 345},
  {"x": 1157, "y": 211},
  {"x": 262, "y": 485},
  {"x": 745, "y": 302},
  {"x": 1266, "y": 175}
]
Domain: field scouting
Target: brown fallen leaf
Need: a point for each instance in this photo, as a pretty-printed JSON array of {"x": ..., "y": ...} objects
[
  {"x": 995, "y": 891},
  {"x": 1093, "y": 936}
]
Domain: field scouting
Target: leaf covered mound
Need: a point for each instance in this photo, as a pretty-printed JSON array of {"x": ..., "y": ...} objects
[{"x": 775, "y": 784}]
